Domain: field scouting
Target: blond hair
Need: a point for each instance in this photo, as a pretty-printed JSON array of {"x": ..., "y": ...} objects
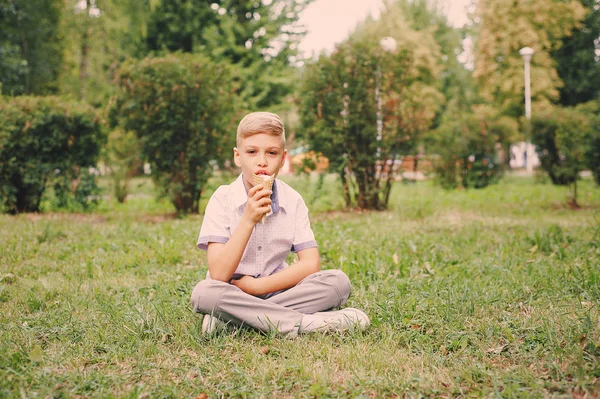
[{"x": 260, "y": 122}]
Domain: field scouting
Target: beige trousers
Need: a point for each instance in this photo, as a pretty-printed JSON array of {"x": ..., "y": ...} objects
[{"x": 282, "y": 311}]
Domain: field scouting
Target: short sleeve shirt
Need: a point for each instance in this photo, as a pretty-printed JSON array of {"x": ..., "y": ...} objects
[{"x": 286, "y": 228}]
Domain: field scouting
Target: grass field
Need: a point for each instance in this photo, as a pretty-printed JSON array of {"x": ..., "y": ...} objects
[{"x": 488, "y": 293}]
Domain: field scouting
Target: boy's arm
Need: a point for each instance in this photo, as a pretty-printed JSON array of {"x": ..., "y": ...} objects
[
  {"x": 309, "y": 262},
  {"x": 223, "y": 259}
]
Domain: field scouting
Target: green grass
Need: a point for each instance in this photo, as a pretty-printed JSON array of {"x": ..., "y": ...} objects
[{"x": 488, "y": 293}]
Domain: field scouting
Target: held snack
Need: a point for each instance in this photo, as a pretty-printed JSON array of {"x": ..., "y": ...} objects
[{"x": 265, "y": 181}]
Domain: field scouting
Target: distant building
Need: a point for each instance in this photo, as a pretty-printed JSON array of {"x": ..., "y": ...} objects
[{"x": 518, "y": 156}]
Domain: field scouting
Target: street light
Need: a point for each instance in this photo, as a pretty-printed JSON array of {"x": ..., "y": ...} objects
[
  {"x": 388, "y": 44},
  {"x": 527, "y": 53}
]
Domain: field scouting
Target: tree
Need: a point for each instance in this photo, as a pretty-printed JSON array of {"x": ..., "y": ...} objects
[
  {"x": 504, "y": 27},
  {"x": 561, "y": 137},
  {"x": 577, "y": 60},
  {"x": 340, "y": 106},
  {"x": 30, "y": 46},
  {"x": 98, "y": 36},
  {"x": 181, "y": 107},
  {"x": 416, "y": 105},
  {"x": 177, "y": 25},
  {"x": 259, "y": 38}
]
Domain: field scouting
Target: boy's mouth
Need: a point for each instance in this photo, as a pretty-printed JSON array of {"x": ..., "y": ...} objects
[{"x": 262, "y": 172}]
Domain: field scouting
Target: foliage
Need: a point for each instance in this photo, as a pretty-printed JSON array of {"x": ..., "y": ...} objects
[
  {"x": 43, "y": 140},
  {"x": 30, "y": 46},
  {"x": 359, "y": 81},
  {"x": 339, "y": 114},
  {"x": 123, "y": 160},
  {"x": 260, "y": 38},
  {"x": 560, "y": 136},
  {"x": 506, "y": 26},
  {"x": 177, "y": 25},
  {"x": 182, "y": 108},
  {"x": 592, "y": 110},
  {"x": 98, "y": 36},
  {"x": 454, "y": 80},
  {"x": 74, "y": 193},
  {"x": 577, "y": 60},
  {"x": 465, "y": 151}
]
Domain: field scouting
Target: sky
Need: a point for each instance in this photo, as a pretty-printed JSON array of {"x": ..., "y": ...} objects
[{"x": 330, "y": 21}]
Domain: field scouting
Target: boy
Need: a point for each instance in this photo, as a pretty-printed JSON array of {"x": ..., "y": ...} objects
[{"x": 248, "y": 231}]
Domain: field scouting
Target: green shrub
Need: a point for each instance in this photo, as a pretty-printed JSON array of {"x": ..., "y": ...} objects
[
  {"x": 343, "y": 119},
  {"x": 592, "y": 109},
  {"x": 561, "y": 137},
  {"x": 122, "y": 158},
  {"x": 593, "y": 151},
  {"x": 466, "y": 154},
  {"x": 181, "y": 108},
  {"x": 46, "y": 140}
]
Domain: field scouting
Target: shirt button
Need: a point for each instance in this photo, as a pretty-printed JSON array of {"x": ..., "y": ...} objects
[{"x": 259, "y": 248}]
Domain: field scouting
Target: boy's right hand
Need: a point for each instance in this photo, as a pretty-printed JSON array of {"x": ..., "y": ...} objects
[{"x": 258, "y": 205}]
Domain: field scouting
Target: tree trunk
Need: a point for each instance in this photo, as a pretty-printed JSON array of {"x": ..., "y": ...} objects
[
  {"x": 25, "y": 54},
  {"x": 573, "y": 201},
  {"x": 85, "y": 48},
  {"x": 344, "y": 177},
  {"x": 368, "y": 193}
]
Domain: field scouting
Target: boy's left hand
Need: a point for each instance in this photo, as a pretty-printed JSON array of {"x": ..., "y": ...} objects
[{"x": 248, "y": 284}]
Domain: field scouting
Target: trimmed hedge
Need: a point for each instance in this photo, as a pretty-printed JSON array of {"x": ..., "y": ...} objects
[{"x": 43, "y": 140}]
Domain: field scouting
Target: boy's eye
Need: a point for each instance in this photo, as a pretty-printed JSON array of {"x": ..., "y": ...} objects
[
  {"x": 251, "y": 151},
  {"x": 273, "y": 152}
]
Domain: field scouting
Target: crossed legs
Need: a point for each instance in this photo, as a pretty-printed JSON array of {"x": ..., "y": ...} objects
[{"x": 283, "y": 311}]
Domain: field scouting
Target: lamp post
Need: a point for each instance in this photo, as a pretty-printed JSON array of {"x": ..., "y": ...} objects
[
  {"x": 527, "y": 53},
  {"x": 389, "y": 45}
]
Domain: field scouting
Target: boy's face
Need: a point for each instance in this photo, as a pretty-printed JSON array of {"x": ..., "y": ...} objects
[{"x": 261, "y": 154}]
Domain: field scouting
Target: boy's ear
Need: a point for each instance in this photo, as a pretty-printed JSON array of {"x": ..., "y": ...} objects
[
  {"x": 236, "y": 157},
  {"x": 283, "y": 158}
]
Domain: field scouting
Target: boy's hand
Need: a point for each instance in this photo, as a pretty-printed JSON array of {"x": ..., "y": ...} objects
[
  {"x": 248, "y": 284},
  {"x": 258, "y": 205}
]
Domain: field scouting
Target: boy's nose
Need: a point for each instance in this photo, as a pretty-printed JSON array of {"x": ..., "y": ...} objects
[{"x": 262, "y": 160}]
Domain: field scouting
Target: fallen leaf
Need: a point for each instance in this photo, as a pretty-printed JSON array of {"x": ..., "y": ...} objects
[
  {"x": 533, "y": 249},
  {"x": 412, "y": 246},
  {"x": 36, "y": 354},
  {"x": 443, "y": 350},
  {"x": 429, "y": 268},
  {"x": 395, "y": 258},
  {"x": 498, "y": 349}
]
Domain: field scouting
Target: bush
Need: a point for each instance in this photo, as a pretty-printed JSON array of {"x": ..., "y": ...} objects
[
  {"x": 123, "y": 160},
  {"x": 592, "y": 109},
  {"x": 181, "y": 108},
  {"x": 593, "y": 151},
  {"x": 466, "y": 153},
  {"x": 46, "y": 140},
  {"x": 343, "y": 119},
  {"x": 561, "y": 137}
]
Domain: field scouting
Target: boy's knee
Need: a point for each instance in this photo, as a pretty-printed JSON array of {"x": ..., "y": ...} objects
[
  {"x": 206, "y": 295},
  {"x": 340, "y": 281}
]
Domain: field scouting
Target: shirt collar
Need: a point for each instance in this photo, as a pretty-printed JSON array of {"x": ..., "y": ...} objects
[{"x": 241, "y": 196}]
